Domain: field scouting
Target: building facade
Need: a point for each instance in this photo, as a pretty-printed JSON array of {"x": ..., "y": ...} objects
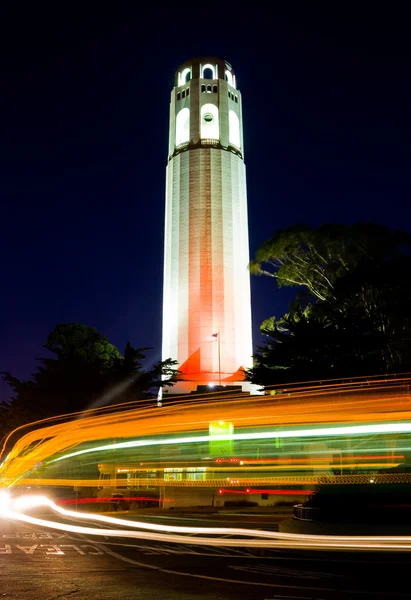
[{"x": 206, "y": 303}]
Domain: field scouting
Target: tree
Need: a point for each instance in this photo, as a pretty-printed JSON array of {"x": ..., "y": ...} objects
[
  {"x": 353, "y": 316},
  {"x": 316, "y": 258},
  {"x": 86, "y": 371}
]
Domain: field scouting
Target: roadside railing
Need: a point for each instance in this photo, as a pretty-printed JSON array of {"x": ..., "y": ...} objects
[{"x": 305, "y": 513}]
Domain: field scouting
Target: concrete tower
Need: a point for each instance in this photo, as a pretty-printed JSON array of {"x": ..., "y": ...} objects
[{"x": 206, "y": 305}]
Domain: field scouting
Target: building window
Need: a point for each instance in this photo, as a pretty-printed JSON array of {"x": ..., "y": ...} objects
[
  {"x": 178, "y": 95},
  {"x": 208, "y": 72},
  {"x": 229, "y": 78},
  {"x": 187, "y": 91},
  {"x": 183, "y": 94},
  {"x": 210, "y": 128},
  {"x": 203, "y": 88},
  {"x": 234, "y": 129},
  {"x": 182, "y": 126},
  {"x": 214, "y": 89},
  {"x": 209, "y": 89},
  {"x": 185, "y": 76},
  {"x": 236, "y": 99}
]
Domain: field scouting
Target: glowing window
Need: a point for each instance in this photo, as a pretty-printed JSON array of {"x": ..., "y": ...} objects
[
  {"x": 185, "y": 76},
  {"x": 210, "y": 128},
  {"x": 183, "y": 126},
  {"x": 229, "y": 78},
  {"x": 234, "y": 129},
  {"x": 208, "y": 72}
]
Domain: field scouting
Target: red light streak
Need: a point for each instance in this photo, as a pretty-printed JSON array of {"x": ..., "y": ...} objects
[{"x": 270, "y": 492}]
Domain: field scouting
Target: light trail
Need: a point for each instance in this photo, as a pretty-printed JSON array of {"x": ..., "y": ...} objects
[
  {"x": 386, "y": 428},
  {"x": 366, "y": 411},
  {"x": 191, "y": 535},
  {"x": 363, "y": 400}
]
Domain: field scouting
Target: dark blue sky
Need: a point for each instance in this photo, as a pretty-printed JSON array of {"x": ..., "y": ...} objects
[{"x": 83, "y": 139}]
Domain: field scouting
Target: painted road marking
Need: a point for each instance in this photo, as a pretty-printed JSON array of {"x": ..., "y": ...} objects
[
  {"x": 51, "y": 549},
  {"x": 280, "y": 571},
  {"x": 239, "y": 581},
  {"x": 34, "y": 535}
]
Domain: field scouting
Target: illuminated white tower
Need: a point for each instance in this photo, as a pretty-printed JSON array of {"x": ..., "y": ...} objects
[{"x": 206, "y": 305}]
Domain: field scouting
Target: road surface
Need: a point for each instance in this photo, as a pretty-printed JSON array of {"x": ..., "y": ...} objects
[{"x": 42, "y": 564}]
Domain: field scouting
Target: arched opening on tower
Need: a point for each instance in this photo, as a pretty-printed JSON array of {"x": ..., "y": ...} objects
[
  {"x": 183, "y": 126},
  {"x": 234, "y": 129},
  {"x": 208, "y": 72},
  {"x": 210, "y": 128},
  {"x": 184, "y": 76},
  {"x": 229, "y": 78}
]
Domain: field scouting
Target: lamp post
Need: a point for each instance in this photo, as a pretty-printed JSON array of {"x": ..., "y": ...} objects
[{"x": 219, "y": 358}]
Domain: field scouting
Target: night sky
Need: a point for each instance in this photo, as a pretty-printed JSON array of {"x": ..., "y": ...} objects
[{"x": 84, "y": 99}]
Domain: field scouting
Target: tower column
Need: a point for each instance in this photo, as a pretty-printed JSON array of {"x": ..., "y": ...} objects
[{"x": 206, "y": 279}]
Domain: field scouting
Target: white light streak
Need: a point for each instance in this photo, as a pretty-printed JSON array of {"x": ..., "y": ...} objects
[
  {"x": 255, "y": 538},
  {"x": 404, "y": 427}
]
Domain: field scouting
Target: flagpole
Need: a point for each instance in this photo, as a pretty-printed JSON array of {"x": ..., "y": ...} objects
[{"x": 219, "y": 360}]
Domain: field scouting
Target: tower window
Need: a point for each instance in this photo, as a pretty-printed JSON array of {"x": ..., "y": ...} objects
[
  {"x": 229, "y": 77},
  {"x": 229, "y": 94},
  {"x": 187, "y": 91},
  {"x": 183, "y": 94},
  {"x": 185, "y": 76},
  {"x": 236, "y": 99},
  {"x": 178, "y": 95},
  {"x": 209, "y": 72},
  {"x": 203, "y": 88},
  {"x": 209, "y": 89},
  {"x": 183, "y": 126},
  {"x": 210, "y": 128},
  {"x": 215, "y": 89},
  {"x": 234, "y": 129}
]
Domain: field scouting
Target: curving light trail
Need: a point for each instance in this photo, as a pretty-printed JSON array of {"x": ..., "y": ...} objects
[
  {"x": 386, "y": 428},
  {"x": 184, "y": 535},
  {"x": 307, "y": 408}
]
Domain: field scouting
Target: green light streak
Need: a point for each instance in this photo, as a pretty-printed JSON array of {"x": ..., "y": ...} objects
[{"x": 267, "y": 435}]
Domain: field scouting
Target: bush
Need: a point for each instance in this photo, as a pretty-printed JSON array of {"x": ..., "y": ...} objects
[
  {"x": 239, "y": 504},
  {"x": 366, "y": 503}
]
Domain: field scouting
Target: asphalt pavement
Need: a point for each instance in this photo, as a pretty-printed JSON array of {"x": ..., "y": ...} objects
[{"x": 38, "y": 563}]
